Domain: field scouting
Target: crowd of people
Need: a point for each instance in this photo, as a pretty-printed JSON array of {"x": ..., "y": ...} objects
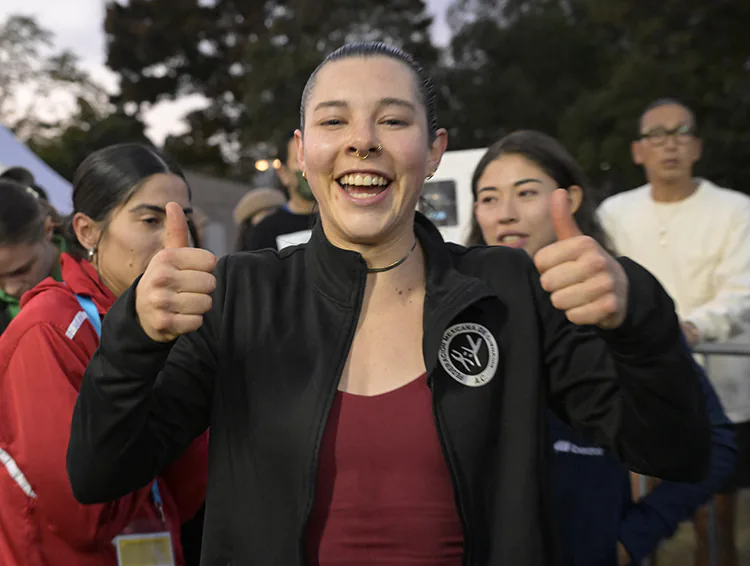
[{"x": 348, "y": 388}]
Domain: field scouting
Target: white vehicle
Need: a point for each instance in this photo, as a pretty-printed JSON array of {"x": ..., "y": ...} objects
[{"x": 447, "y": 198}]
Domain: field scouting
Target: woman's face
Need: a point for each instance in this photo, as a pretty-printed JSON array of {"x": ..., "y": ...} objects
[
  {"x": 23, "y": 266},
  {"x": 359, "y": 104},
  {"x": 513, "y": 204},
  {"x": 137, "y": 231}
]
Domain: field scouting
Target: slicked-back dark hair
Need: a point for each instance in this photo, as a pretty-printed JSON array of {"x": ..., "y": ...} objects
[
  {"x": 22, "y": 216},
  {"x": 425, "y": 85},
  {"x": 109, "y": 177}
]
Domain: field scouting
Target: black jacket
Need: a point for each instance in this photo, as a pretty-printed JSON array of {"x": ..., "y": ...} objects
[{"x": 263, "y": 370}]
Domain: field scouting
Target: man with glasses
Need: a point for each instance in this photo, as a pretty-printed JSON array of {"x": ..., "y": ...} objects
[{"x": 695, "y": 238}]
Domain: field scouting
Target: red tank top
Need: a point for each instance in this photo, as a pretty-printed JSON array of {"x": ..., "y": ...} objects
[{"x": 384, "y": 493}]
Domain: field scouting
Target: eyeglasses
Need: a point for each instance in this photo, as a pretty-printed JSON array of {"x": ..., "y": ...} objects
[{"x": 658, "y": 136}]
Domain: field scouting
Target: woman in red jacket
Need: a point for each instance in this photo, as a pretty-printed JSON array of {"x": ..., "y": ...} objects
[{"x": 117, "y": 227}]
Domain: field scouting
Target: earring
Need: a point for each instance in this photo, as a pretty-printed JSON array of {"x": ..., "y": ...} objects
[
  {"x": 430, "y": 176},
  {"x": 92, "y": 253},
  {"x": 304, "y": 174}
]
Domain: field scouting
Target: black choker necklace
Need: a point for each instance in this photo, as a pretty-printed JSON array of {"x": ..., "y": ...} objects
[{"x": 393, "y": 265}]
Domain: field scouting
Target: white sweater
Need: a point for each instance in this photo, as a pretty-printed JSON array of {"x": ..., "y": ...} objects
[{"x": 699, "y": 249}]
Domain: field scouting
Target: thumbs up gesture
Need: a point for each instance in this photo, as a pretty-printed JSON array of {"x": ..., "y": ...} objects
[
  {"x": 583, "y": 279},
  {"x": 174, "y": 292}
]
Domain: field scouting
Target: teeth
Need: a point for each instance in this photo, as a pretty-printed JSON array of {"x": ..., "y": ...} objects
[
  {"x": 512, "y": 238},
  {"x": 363, "y": 195},
  {"x": 359, "y": 180}
]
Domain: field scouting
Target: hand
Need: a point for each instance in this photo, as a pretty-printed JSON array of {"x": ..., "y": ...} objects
[
  {"x": 623, "y": 556},
  {"x": 583, "y": 279},
  {"x": 691, "y": 332},
  {"x": 174, "y": 292}
]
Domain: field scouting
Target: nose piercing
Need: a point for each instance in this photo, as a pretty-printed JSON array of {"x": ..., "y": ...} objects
[{"x": 364, "y": 155}]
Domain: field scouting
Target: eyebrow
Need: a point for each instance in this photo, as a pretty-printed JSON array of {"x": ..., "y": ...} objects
[
  {"x": 688, "y": 124},
  {"x": 387, "y": 101},
  {"x": 516, "y": 184},
  {"x": 157, "y": 209}
]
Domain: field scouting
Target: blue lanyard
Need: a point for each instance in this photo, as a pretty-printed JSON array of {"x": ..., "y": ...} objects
[{"x": 158, "y": 502}]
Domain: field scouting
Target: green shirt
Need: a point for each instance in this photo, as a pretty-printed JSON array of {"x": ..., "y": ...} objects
[{"x": 10, "y": 304}]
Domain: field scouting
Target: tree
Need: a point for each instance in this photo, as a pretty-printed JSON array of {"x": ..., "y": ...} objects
[
  {"x": 693, "y": 50},
  {"x": 583, "y": 70},
  {"x": 84, "y": 132},
  {"x": 516, "y": 65},
  {"x": 249, "y": 59},
  {"x": 31, "y": 70}
]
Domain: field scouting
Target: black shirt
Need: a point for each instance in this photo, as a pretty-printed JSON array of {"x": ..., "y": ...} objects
[{"x": 278, "y": 224}]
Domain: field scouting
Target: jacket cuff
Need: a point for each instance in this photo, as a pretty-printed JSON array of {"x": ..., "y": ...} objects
[
  {"x": 126, "y": 343},
  {"x": 651, "y": 323}
]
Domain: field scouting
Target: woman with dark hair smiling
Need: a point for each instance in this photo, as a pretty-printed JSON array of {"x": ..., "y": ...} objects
[
  {"x": 377, "y": 396},
  {"x": 598, "y": 521},
  {"x": 117, "y": 227}
]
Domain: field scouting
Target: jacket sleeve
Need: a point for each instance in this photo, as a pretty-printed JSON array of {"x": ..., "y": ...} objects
[
  {"x": 721, "y": 317},
  {"x": 656, "y": 517},
  {"x": 142, "y": 402},
  {"x": 187, "y": 478},
  {"x": 48, "y": 364},
  {"x": 634, "y": 389}
]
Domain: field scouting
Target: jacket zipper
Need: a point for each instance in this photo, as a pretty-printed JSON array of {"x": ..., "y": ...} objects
[
  {"x": 454, "y": 476},
  {"x": 461, "y": 305},
  {"x": 326, "y": 411}
]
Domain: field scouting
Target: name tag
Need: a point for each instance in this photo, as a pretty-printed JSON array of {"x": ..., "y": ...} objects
[{"x": 148, "y": 549}]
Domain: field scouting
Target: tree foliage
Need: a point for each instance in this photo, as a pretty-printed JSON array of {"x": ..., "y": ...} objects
[
  {"x": 86, "y": 131},
  {"x": 583, "y": 70},
  {"x": 32, "y": 71},
  {"x": 250, "y": 59}
]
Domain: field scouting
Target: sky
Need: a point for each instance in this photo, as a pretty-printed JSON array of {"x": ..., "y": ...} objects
[{"x": 77, "y": 26}]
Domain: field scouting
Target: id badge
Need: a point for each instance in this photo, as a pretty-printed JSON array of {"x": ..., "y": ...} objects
[{"x": 146, "y": 549}]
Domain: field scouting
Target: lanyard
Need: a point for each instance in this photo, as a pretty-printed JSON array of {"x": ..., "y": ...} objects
[{"x": 158, "y": 502}]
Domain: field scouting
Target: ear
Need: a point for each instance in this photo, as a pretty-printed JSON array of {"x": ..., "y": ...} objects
[
  {"x": 437, "y": 149},
  {"x": 300, "y": 150},
  {"x": 49, "y": 229},
  {"x": 575, "y": 198},
  {"x": 87, "y": 230},
  {"x": 698, "y": 149},
  {"x": 636, "y": 150}
]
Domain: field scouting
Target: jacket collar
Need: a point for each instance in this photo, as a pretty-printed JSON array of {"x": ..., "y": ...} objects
[
  {"x": 338, "y": 273},
  {"x": 80, "y": 277}
]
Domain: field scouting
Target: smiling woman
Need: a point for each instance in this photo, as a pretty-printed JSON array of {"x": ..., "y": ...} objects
[
  {"x": 512, "y": 187},
  {"x": 377, "y": 395}
]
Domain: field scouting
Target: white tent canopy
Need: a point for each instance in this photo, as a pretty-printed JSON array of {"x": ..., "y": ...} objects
[{"x": 13, "y": 153}]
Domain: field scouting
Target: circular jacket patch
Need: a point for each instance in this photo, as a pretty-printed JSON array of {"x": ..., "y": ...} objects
[{"x": 468, "y": 352}]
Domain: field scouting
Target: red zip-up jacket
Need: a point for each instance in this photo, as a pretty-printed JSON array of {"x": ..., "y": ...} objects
[{"x": 43, "y": 355}]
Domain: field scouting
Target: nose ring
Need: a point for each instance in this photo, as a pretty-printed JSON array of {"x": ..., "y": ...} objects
[{"x": 364, "y": 155}]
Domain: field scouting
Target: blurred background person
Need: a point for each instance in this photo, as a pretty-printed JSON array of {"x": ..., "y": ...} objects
[
  {"x": 30, "y": 244},
  {"x": 695, "y": 238},
  {"x": 292, "y": 223},
  {"x": 252, "y": 209},
  {"x": 117, "y": 226},
  {"x": 599, "y": 524}
]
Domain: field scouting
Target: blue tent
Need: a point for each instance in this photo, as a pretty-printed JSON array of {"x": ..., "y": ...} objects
[{"x": 13, "y": 153}]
